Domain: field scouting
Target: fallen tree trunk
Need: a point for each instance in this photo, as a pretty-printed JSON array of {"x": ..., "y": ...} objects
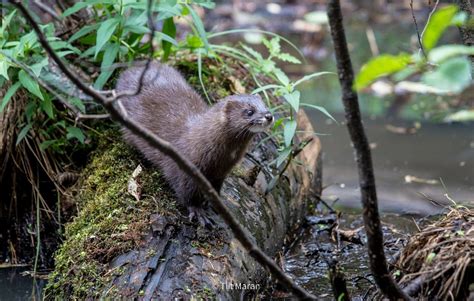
[{"x": 151, "y": 251}]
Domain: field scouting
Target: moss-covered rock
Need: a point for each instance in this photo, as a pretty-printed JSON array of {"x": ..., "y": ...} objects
[{"x": 110, "y": 220}]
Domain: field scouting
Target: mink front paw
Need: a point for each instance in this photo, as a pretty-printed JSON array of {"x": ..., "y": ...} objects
[{"x": 199, "y": 214}]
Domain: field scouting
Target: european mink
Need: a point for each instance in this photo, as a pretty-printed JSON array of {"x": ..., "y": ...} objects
[{"x": 213, "y": 138}]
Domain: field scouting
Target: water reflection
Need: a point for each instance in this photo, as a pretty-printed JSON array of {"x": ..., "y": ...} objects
[{"x": 15, "y": 286}]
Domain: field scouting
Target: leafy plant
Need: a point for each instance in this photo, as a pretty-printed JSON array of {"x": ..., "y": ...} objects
[{"x": 443, "y": 69}]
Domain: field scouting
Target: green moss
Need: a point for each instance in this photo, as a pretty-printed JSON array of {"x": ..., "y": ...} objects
[{"x": 110, "y": 220}]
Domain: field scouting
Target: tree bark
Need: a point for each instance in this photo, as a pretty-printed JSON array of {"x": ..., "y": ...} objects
[{"x": 378, "y": 263}]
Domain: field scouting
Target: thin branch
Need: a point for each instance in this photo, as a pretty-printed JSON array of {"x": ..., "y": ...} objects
[
  {"x": 377, "y": 261},
  {"x": 151, "y": 25},
  {"x": 417, "y": 30},
  {"x": 429, "y": 17},
  {"x": 183, "y": 163}
]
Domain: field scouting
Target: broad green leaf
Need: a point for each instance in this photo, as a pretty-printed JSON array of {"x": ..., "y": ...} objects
[
  {"x": 289, "y": 131},
  {"x": 311, "y": 76},
  {"x": 169, "y": 28},
  {"x": 74, "y": 132},
  {"x": 83, "y": 31},
  {"x": 452, "y": 75},
  {"x": 194, "y": 41},
  {"x": 293, "y": 99},
  {"x": 4, "y": 65},
  {"x": 282, "y": 156},
  {"x": 286, "y": 57},
  {"x": 8, "y": 95},
  {"x": 461, "y": 116},
  {"x": 441, "y": 53},
  {"x": 105, "y": 32},
  {"x": 439, "y": 21},
  {"x": 321, "y": 109},
  {"x": 22, "y": 134},
  {"x": 106, "y": 71},
  {"x": 30, "y": 84},
  {"x": 380, "y": 66}
]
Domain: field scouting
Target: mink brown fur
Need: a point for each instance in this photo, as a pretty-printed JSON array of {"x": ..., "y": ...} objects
[{"x": 213, "y": 138}]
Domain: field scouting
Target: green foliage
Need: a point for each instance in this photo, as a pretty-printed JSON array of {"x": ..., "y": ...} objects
[
  {"x": 438, "y": 65},
  {"x": 380, "y": 66}
]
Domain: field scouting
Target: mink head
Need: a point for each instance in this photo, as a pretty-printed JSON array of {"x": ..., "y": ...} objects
[{"x": 247, "y": 113}]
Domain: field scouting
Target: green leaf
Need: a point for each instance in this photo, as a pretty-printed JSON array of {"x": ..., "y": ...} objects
[
  {"x": 281, "y": 76},
  {"x": 289, "y": 131},
  {"x": 169, "y": 28},
  {"x": 430, "y": 257},
  {"x": 437, "y": 24},
  {"x": 266, "y": 87},
  {"x": 452, "y": 75},
  {"x": 83, "y": 31},
  {"x": 380, "y": 66},
  {"x": 441, "y": 53},
  {"x": 106, "y": 71},
  {"x": 47, "y": 106},
  {"x": 36, "y": 68},
  {"x": 311, "y": 76},
  {"x": 321, "y": 109},
  {"x": 199, "y": 26},
  {"x": 78, "y": 104},
  {"x": 286, "y": 57},
  {"x": 194, "y": 41},
  {"x": 24, "y": 131},
  {"x": 282, "y": 156},
  {"x": 105, "y": 32},
  {"x": 8, "y": 95},
  {"x": 6, "y": 21},
  {"x": 30, "y": 84},
  {"x": 253, "y": 53},
  {"x": 461, "y": 116},
  {"x": 45, "y": 144},
  {"x": 74, "y": 132},
  {"x": 205, "y": 3},
  {"x": 166, "y": 38},
  {"x": 293, "y": 99},
  {"x": 75, "y": 8},
  {"x": 4, "y": 65}
]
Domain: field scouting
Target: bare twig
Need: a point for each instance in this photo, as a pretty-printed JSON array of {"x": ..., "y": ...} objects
[
  {"x": 183, "y": 163},
  {"x": 417, "y": 30},
  {"x": 378, "y": 263},
  {"x": 429, "y": 17}
]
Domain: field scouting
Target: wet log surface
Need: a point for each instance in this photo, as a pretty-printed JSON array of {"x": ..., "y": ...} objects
[{"x": 186, "y": 261}]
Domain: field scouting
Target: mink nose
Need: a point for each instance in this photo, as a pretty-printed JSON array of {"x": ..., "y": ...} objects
[{"x": 269, "y": 116}]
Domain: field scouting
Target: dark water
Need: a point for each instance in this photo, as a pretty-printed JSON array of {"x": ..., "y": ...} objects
[
  {"x": 436, "y": 154},
  {"x": 16, "y": 287}
]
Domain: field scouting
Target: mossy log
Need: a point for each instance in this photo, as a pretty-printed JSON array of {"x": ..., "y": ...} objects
[{"x": 144, "y": 246}]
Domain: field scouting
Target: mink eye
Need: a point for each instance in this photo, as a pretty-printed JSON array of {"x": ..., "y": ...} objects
[{"x": 250, "y": 112}]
